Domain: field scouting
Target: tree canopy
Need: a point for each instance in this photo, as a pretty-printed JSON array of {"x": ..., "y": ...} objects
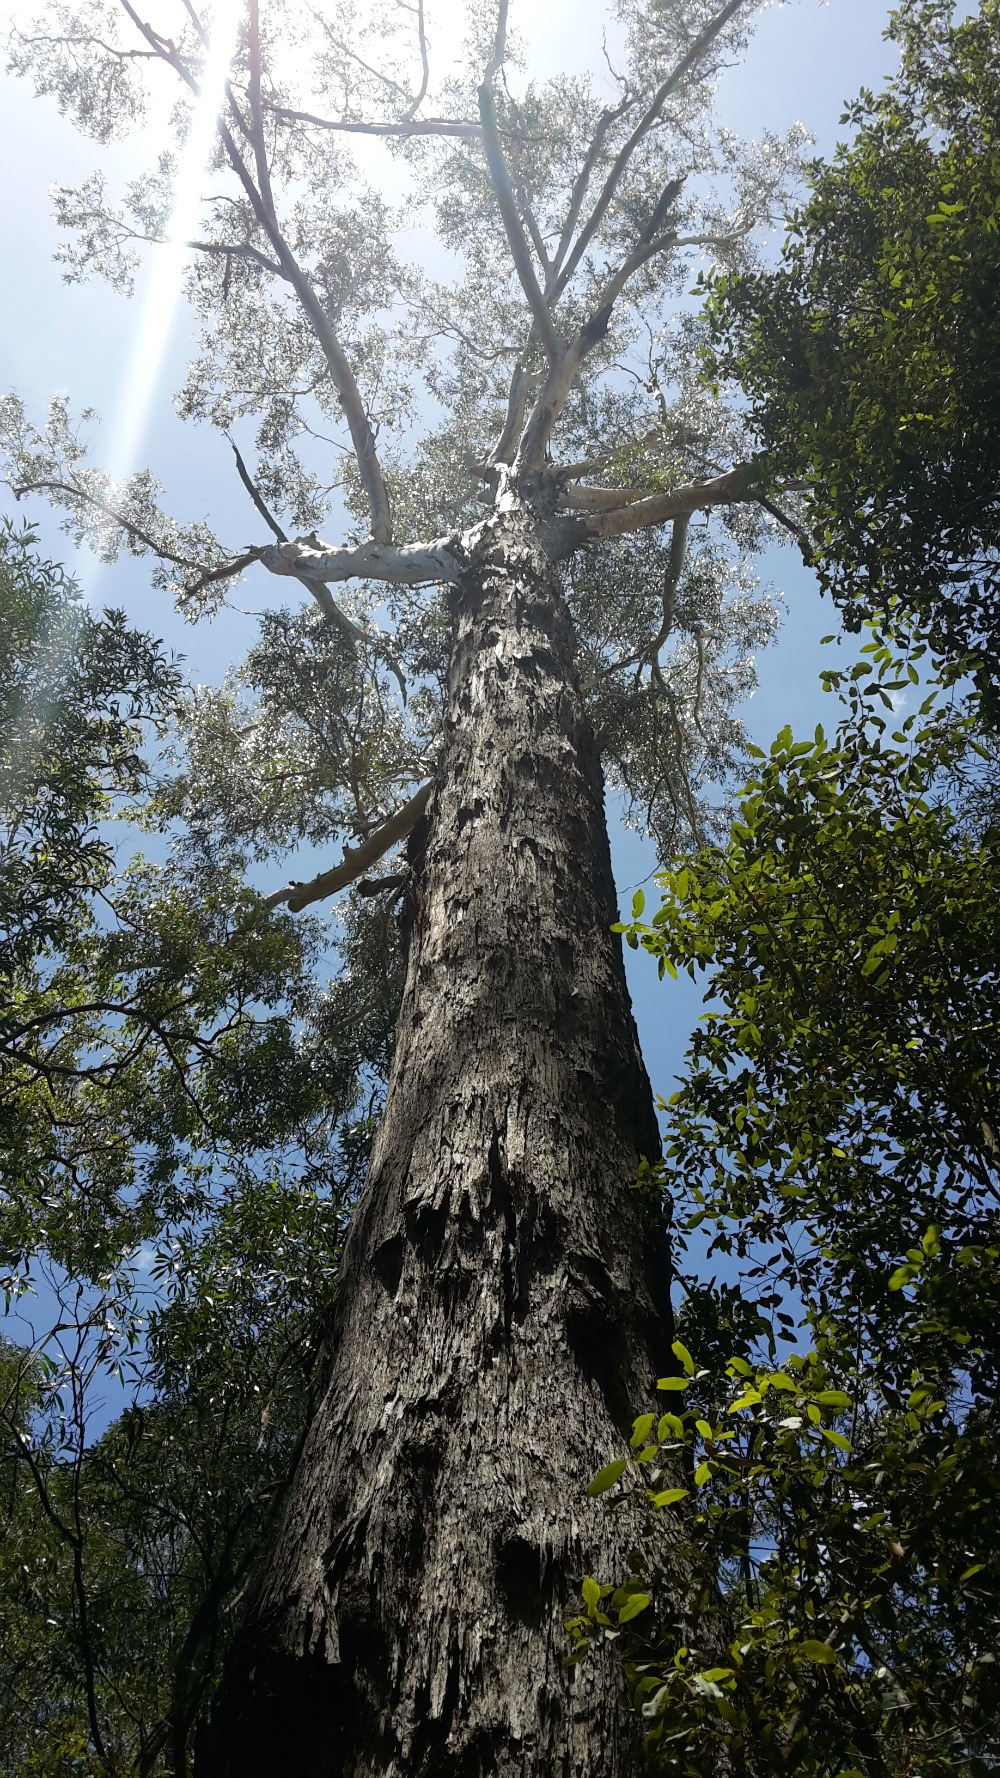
[{"x": 548, "y": 335}]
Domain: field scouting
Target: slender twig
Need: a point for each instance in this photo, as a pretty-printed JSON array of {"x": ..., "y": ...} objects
[
  {"x": 20, "y": 489},
  {"x": 353, "y": 126}
]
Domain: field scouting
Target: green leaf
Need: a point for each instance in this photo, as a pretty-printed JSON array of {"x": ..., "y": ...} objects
[
  {"x": 638, "y": 1602},
  {"x": 607, "y": 1477},
  {"x": 673, "y": 1382},
  {"x": 641, "y": 1429},
  {"x": 680, "y": 1351},
  {"x": 820, "y": 1652},
  {"x": 749, "y": 1399},
  {"x": 670, "y": 1496},
  {"x": 776, "y": 1380},
  {"x": 591, "y": 1594}
]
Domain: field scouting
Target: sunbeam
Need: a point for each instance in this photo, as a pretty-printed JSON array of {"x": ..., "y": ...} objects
[{"x": 138, "y": 386}]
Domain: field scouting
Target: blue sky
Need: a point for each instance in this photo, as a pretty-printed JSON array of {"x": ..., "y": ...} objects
[{"x": 805, "y": 60}]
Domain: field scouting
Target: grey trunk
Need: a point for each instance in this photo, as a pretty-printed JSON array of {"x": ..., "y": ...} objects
[{"x": 503, "y": 1308}]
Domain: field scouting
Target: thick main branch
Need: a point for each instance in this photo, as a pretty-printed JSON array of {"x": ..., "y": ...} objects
[
  {"x": 516, "y": 239},
  {"x": 655, "y": 509},
  {"x": 414, "y": 564}
]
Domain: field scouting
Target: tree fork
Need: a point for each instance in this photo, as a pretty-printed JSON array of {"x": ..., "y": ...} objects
[{"x": 503, "y": 1305}]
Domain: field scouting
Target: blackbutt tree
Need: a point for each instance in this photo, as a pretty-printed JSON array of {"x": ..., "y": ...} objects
[{"x": 513, "y": 441}]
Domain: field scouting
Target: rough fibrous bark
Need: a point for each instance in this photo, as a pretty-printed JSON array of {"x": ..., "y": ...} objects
[{"x": 503, "y": 1304}]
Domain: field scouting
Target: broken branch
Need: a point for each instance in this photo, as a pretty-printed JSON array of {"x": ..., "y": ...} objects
[{"x": 356, "y": 860}]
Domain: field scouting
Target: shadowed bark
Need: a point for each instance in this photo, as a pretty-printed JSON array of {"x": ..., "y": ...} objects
[{"x": 503, "y": 1302}]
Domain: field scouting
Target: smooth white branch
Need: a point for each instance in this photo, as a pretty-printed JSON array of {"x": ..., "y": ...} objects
[{"x": 416, "y": 564}]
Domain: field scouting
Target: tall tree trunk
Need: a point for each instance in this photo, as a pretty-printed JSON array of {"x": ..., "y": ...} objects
[{"x": 503, "y": 1305}]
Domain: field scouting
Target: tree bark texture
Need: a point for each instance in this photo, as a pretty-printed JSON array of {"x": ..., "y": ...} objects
[{"x": 504, "y": 1306}]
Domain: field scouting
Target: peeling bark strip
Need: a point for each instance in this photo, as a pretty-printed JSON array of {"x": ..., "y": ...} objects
[{"x": 503, "y": 1302}]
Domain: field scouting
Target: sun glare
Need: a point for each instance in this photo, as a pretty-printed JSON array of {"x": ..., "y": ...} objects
[{"x": 138, "y": 386}]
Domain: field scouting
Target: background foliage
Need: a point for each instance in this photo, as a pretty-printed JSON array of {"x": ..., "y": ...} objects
[
  {"x": 184, "y": 1120},
  {"x": 870, "y": 354},
  {"x": 835, "y": 1138}
]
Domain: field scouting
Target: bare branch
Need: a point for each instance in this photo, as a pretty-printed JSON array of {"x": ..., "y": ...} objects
[
  {"x": 785, "y": 519},
  {"x": 85, "y": 38},
  {"x": 563, "y": 371},
  {"x": 424, "y": 61},
  {"x": 580, "y": 184},
  {"x": 601, "y": 499},
  {"x": 413, "y": 564},
  {"x": 496, "y": 60},
  {"x": 359, "y": 426},
  {"x": 261, "y": 202},
  {"x": 575, "y": 472},
  {"x": 370, "y": 886},
  {"x": 552, "y": 396},
  {"x": 256, "y": 112},
  {"x": 341, "y": 47},
  {"x": 671, "y": 580},
  {"x": 196, "y": 21},
  {"x": 163, "y": 46},
  {"x": 255, "y": 494},
  {"x": 19, "y": 490},
  {"x": 664, "y": 204},
  {"x": 636, "y": 259},
  {"x": 226, "y": 571},
  {"x": 517, "y": 401},
  {"x": 243, "y": 251},
  {"x": 425, "y": 126},
  {"x": 656, "y": 509},
  {"x": 536, "y": 234}
]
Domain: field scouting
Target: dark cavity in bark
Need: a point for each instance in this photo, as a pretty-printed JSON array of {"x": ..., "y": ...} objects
[{"x": 503, "y": 1306}]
